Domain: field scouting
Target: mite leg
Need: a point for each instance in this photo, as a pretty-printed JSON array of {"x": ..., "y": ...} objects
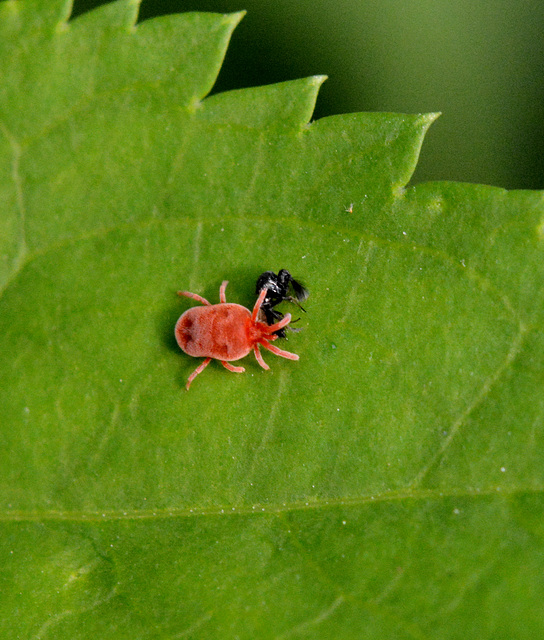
[
  {"x": 258, "y": 304},
  {"x": 279, "y": 352},
  {"x": 259, "y": 357},
  {"x": 232, "y": 368},
  {"x": 279, "y": 325},
  {"x": 198, "y": 370},
  {"x": 194, "y": 296},
  {"x": 222, "y": 296}
]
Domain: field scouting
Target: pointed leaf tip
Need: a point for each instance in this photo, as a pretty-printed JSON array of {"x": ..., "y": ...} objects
[
  {"x": 318, "y": 79},
  {"x": 285, "y": 104},
  {"x": 234, "y": 18},
  {"x": 414, "y": 136},
  {"x": 432, "y": 115},
  {"x": 65, "y": 13}
]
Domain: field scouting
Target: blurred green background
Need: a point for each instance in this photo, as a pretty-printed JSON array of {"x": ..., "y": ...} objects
[{"x": 480, "y": 63}]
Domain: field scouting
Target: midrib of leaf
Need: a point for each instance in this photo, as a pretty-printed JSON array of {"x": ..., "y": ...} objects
[{"x": 229, "y": 510}]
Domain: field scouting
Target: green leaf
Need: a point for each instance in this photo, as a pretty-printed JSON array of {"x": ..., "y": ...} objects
[{"x": 387, "y": 485}]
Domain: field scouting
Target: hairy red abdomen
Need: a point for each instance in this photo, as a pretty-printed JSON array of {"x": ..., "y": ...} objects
[{"x": 220, "y": 331}]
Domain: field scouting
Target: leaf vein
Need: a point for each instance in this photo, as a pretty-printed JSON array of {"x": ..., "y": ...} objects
[
  {"x": 480, "y": 397},
  {"x": 264, "y": 509},
  {"x": 314, "y": 621}
]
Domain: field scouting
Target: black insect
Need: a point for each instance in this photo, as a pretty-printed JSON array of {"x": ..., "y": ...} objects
[{"x": 281, "y": 287}]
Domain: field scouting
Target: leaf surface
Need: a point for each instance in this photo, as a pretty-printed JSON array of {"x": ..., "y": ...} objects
[{"x": 387, "y": 485}]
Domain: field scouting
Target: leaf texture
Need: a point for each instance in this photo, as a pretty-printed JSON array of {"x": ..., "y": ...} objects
[{"x": 387, "y": 485}]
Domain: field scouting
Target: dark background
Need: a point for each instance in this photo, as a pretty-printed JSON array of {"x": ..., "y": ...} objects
[{"x": 480, "y": 63}]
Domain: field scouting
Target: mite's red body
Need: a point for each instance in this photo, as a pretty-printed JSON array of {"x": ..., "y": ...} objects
[{"x": 226, "y": 332}]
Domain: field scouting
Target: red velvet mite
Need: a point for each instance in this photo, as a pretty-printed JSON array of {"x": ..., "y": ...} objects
[{"x": 226, "y": 332}]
